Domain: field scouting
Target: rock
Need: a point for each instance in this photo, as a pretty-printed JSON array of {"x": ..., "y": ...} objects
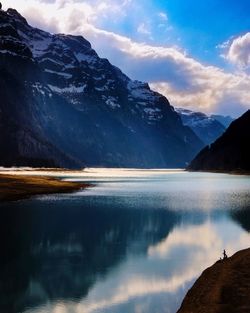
[{"x": 222, "y": 288}]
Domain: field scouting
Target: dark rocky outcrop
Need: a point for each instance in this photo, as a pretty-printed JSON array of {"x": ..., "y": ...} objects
[
  {"x": 222, "y": 288},
  {"x": 62, "y": 105},
  {"x": 230, "y": 153}
]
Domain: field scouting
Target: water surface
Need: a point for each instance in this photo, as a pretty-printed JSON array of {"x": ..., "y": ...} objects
[{"x": 135, "y": 242}]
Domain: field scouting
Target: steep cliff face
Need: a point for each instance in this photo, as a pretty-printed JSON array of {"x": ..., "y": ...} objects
[
  {"x": 228, "y": 153},
  {"x": 62, "y": 105}
]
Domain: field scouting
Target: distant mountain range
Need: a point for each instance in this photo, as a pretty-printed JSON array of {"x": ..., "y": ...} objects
[
  {"x": 224, "y": 120},
  {"x": 207, "y": 128},
  {"x": 62, "y": 105},
  {"x": 228, "y": 153}
]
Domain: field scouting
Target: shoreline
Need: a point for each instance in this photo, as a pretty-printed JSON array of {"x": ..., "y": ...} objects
[{"x": 18, "y": 187}]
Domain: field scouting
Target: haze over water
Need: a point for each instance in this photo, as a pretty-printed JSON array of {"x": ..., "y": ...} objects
[{"x": 134, "y": 242}]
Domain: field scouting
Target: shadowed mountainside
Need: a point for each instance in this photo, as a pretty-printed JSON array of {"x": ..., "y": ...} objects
[{"x": 229, "y": 153}]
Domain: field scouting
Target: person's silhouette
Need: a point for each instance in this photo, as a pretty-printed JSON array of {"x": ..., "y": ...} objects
[
  {"x": 0, "y": 6},
  {"x": 224, "y": 255}
]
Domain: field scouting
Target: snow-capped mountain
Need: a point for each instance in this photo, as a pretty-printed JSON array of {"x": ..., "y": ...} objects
[
  {"x": 63, "y": 105},
  {"x": 224, "y": 120},
  {"x": 207, "y": 128}
]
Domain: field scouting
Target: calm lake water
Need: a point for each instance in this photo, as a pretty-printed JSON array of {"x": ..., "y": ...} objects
[{"x": 135, "y": 242}]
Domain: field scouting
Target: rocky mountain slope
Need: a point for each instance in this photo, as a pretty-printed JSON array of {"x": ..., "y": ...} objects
[
  {"x": 228, "y": 153},
  {"x": 207, "y": 128},
  {"x": 62, "y": 105}
]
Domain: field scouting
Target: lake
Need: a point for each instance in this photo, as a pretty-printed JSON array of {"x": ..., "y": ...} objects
[{"x": 134, "y": 242}]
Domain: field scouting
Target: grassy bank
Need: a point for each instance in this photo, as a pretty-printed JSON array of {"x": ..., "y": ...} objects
[{"x": 15, "y": 187}]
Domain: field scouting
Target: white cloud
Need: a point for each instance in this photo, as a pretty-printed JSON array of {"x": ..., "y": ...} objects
[
  {"x": 93, "y": 10},
  {"x": 239, "y": 51},
  {"x": 223, "y": 45},
  {"x": 185, "y": 81},
  {"x": 144, "y": 29},
  {"x": 163, "y": 16}
]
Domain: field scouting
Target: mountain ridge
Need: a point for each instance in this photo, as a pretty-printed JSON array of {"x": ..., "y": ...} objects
[{"x": 71, "y": 108}]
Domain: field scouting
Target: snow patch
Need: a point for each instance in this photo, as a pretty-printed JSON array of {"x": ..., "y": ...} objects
[
  {"x": 153, "y": 114},
  {"x": 103, "y": 88},
  {"x": 38, "y": 87},
  {"x": 70, "y": 89},
  {"x": 65, "y": 75},
  {"x": 51, "y": 60},
  {"x": 139, "y": 90},
  {"x": 112, "y": 103},
  {"x": 194, "y": 119},
  {"x": 38, "y": 47},
  {"x": 12, "y": 53},
  {"x": 81, "y": 57},
  {"x": 101, "y": 77}
]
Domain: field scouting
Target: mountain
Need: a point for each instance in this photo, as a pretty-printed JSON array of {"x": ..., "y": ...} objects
[
  {"x": 228, "y": 153},
  {"x": 224, "y": 120},
  {"x": 62, "y": 105},
  {"x": 207, "y": 128}
]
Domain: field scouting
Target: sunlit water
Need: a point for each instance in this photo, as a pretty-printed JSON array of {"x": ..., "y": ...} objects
[{"x": 135, "y": 242}]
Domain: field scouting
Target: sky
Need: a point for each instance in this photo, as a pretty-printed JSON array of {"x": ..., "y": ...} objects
[{"x": 196, "y": 53}]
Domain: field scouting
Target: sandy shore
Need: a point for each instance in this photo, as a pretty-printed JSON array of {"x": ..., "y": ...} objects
[
  {"x": 15, "y": 187},
  {"x": 222, "y": 288}
]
